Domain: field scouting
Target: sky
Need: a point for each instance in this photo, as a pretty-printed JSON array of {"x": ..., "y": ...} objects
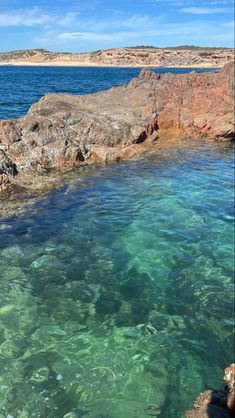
[{"x": 83, "y": 25}]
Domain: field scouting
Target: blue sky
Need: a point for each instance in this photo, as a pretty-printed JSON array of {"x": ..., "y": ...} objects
[{"x": 62, "y": 25}]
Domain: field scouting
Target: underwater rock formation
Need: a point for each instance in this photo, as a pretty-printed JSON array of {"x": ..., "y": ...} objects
[
  {"x": 62, "y": 130},
  {"x": 215, "y": 403}
]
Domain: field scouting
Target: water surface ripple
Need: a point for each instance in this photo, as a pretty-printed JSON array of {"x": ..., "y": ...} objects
[{"x": 116, "y": 291}]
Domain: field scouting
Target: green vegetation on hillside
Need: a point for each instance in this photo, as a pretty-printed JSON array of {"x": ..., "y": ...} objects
[{"x": 180, "y": 47}]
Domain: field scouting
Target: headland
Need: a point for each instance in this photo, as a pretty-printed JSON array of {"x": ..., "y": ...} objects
[{"x": 140, "y": 56}]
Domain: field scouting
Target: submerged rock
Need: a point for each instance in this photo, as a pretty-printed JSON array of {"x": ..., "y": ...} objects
[
  {"x": 62, "y": 130},
  {"x": 211, "y": 411},
  {"x": 46, "y": 262},
  {"x": 82, "y": 292},
  {"x": 214, "y": 403},
  {"x": 130, "y": 288},
  {"x": 14, "y": 347},
  {"x": 107, "y": 304}
]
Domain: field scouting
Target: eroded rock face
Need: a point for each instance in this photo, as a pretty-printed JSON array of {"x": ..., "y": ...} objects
[
  {"x": 128, "y": 57},
  {"x": 63, "y": 130}
]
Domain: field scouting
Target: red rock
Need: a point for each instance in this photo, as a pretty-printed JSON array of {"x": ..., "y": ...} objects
[{"x": 64, "y": 131}]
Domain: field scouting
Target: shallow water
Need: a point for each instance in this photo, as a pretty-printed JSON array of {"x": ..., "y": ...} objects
[{"x": 116, "y": 292}]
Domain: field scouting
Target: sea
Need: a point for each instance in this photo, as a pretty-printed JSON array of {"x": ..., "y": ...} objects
[{"x": 116, "y": 289}]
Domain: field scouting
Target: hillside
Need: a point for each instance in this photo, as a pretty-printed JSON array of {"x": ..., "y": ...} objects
[{"x": 140, "y": 56}]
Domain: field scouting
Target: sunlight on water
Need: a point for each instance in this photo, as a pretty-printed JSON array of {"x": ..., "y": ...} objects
[{"x": 116, "y": 292}]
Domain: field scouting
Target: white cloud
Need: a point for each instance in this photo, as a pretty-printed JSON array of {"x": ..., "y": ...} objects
[
  {"x": 35, "y": 17},
  {"x": 76, "y": 31},
  {"x": 24, "y": 17},
  {"x": 159, "y": 33},
  {"x": 230, "y": 24},
  {"x": 118, "y": 22},
  {"x": 87, "y": 36},
  {"x": 205, "y": 10},
  {"x": 192, "y": 2},
  {"x": 219, "y": 2},
  {"x": 68, "y": 20}
]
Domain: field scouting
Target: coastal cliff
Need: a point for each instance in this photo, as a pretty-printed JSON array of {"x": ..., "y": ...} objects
[
  {"x": 184, "y": 56},
  {"x": 62, "y": 130}
]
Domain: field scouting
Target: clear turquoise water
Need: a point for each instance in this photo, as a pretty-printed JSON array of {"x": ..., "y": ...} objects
[{"x": 116, "y": 292}]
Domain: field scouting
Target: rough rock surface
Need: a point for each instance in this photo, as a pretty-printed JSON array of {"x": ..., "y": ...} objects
[
  {"x": 64, "y": 131},
  {"x": 229, "y": 380},
  {"x": 165, "y": 57},
  {"x": 5, "y": 183},
  {"x": 214, "y": 403}
]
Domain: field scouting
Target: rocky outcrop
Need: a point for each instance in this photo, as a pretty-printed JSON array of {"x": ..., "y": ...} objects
[
  {"x": 164, "y": 57},
  {"x": 64, "y": 131},
  {"x": 215, "y": 403},
  {"x": 128, "y": 57}
]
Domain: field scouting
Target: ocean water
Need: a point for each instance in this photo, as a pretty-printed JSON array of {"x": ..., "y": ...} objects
[
  {"x": 116, "y": 291},
  {"x": 20, "y": 87}
]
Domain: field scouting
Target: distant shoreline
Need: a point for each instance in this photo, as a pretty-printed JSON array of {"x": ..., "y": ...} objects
[
  {"x": 121, "y": 58},
  {"x": 85, "y": 64}
]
